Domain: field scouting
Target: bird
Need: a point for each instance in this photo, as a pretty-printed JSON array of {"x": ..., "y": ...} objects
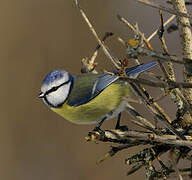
[{"x": 89, "y": 98}]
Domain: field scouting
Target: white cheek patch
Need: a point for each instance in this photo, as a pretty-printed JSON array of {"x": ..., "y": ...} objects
[{"x": 59, "y": 96}]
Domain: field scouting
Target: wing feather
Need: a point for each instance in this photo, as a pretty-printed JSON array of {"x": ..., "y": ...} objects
[{"x": 87, "y": 87}]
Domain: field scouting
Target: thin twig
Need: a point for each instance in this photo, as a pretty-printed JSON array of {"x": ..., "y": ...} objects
[
  {"x": 106, "y": 50},
  {"x": 174, "y": 163},
  {"x": 162, "y": 165},
  {"x": 170, "y": 75},
  {"x": 89, "y": 64},
  {"x": 157, "y": 111},
  {"x": 133, "y": 29},
  {"x": 144, "y": 122},
  {"x": 158, "y": 6},
  {"x": 135, "y": 52},
  {"x": 160, "y": 33},
  {"x": 156, "y": 31},
  {"x": 151, "y": 83},
  {"x": 116, "y": 149}
]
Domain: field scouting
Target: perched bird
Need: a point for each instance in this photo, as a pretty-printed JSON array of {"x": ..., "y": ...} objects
[{"x": 88, "y": 98}]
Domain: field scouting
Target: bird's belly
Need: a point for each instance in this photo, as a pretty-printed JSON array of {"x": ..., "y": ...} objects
[{"x": 108, "y": 103}]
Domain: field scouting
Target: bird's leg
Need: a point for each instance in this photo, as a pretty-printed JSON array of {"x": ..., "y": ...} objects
[
  {"x": 118, "y": 126},
  {"x": 97, "y": 127},
  {"x": 118, "y": 121}
]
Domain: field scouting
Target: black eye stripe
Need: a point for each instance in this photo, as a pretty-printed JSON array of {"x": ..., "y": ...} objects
[{"x": 56, "y": 87}]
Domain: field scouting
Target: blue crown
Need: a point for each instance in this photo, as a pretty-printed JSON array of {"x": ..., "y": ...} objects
[{"x": 53, "y": 75}]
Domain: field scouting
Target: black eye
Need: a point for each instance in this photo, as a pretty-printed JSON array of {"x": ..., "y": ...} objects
[{"x": 54, "y": 88}]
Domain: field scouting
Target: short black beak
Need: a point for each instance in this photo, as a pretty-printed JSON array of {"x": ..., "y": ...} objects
[{"x": 41, "y": 95}]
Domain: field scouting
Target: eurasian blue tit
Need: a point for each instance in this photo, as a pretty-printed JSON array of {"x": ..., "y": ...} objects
[{"x": 88, "y": 98}]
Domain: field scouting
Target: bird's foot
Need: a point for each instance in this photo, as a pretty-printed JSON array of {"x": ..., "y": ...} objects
[{"x": 95, "y": 134}]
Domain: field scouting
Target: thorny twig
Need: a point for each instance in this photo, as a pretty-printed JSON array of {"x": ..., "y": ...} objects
[
  {"x": 158, "y": 111},
  {"x": 174, "y": 93},
  {"x": 173, "y": 138}
]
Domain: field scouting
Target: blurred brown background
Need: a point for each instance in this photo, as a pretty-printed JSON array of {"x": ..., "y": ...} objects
[{"x": 36, "y": 37}]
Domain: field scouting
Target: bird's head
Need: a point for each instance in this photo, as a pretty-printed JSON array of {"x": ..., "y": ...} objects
[{"x": 56, "y": 87}]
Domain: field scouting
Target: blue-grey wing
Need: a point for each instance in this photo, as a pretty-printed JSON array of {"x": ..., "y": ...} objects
[
  {"x": 133, "y": 72},
  {"x": 103, "y": 81},
  {"x": 87, "y": 87}
]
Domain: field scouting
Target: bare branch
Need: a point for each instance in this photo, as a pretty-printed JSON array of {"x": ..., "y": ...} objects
[
  {"x": 170, "y": 84},
  {"x": 125, "y": 137},
  {"x": 186, "y": 41},
  {"x": 158, "y": 6}
]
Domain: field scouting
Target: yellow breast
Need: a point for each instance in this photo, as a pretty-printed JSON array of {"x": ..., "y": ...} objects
[{"x": 108, "y": 100}]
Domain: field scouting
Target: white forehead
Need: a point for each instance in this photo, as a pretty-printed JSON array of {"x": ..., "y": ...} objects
[{"x": 53, "y": 79}]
